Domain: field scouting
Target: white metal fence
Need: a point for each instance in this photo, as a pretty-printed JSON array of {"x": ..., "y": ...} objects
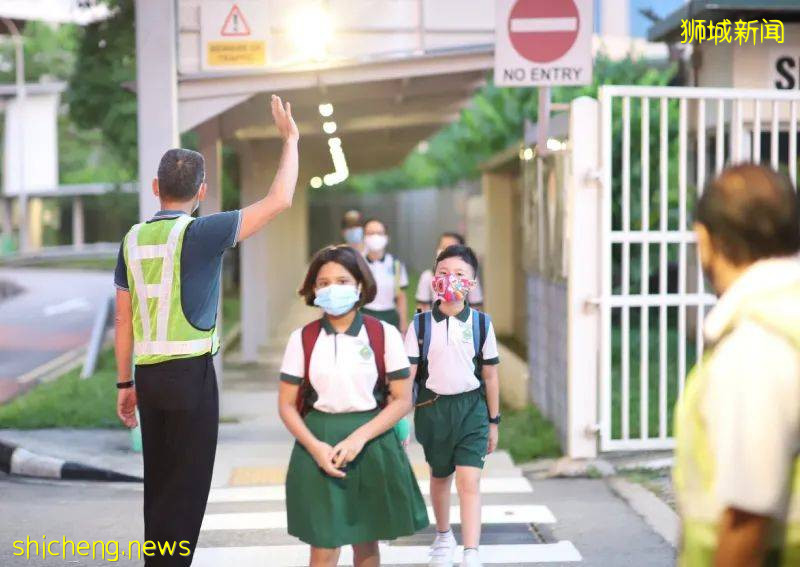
[{"x": 659, "y": 145}]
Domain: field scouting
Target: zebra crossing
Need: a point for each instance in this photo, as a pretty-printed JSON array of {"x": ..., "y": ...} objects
[{"x": 246, "y": 526}]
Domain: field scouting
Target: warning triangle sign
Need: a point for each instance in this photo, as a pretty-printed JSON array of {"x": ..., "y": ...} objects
[{"x": 235, "y": 24}]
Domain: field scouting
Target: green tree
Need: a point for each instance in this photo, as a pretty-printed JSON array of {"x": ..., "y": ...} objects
[
  {"x": 494, "y": 121},
  {"x": 97, "y": 95}
]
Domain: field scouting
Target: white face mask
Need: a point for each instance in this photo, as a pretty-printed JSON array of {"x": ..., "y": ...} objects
[{"x": 376, "y": 242}]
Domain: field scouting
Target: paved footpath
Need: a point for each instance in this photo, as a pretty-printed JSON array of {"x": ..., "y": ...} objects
[
  {"x": 546, "y": 522},
  {"x": 245, "y": 521}
]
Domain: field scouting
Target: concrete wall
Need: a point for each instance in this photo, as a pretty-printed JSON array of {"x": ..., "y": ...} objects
[
  {"x": 415, "y": 218},
  {"x": 273, "y": 262},
  {"x": 547, "y": 349},
  {"x": 498, "y": 265}
]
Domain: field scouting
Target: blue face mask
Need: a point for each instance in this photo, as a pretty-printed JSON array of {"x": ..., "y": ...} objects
[
  {"x": 354, "y": 235},
  {"x": 336, "y": 299}
]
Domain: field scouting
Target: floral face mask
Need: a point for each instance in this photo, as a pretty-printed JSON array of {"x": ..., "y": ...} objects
[{"x": 452, "y": 287}]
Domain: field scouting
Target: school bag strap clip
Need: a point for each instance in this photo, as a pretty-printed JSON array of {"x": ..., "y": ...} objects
[{"x": 310, "y": 334}]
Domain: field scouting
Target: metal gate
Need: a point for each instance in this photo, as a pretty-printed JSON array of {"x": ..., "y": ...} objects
[{"x": 659, "y": 145}]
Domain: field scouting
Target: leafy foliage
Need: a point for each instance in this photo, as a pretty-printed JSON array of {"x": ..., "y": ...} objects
[
  {"x": 494, "y": 121},
  {"x": 97, "y": 97}
]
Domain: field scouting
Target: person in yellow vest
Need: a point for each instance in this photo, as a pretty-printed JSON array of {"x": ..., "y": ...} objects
[
  {"x": 737, "y": 423},
  {"x": 167, "y": 281}
]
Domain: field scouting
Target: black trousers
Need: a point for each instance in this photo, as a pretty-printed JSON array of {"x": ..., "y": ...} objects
[{"x": 179, "y": 416}]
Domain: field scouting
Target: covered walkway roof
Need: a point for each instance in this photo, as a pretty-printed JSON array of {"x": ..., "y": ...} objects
[{"x": 382, "y": 107}]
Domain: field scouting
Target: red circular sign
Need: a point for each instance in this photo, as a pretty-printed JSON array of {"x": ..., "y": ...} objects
[{"x": 543, "y": 31}]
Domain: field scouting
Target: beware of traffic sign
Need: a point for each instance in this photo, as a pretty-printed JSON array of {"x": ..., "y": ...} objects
[
  {"x": 235, "y": 25},
  {"x": 543, "y": 43},
  {"x": 234, "y": 34}
]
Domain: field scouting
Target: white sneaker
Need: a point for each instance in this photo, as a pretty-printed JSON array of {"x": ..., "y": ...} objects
[
  {"x": 443, "y": 549},
  {"x": 471, "y": 558}
]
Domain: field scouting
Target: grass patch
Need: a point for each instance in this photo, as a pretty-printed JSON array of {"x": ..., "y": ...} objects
[
  {"x": 527, "y": 435},
  {"x": 68, "y": 401},
  {"x": 411, "y": 294},
  {"x": 654, "y": 393},
  {"x": 96, "y": 264}
]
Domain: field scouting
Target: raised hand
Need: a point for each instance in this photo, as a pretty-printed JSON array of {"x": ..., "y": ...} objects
[{"x": 282, "y": 114}]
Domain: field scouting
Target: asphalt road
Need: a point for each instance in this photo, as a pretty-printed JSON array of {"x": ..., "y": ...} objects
[{"x": 53, "y": 315}]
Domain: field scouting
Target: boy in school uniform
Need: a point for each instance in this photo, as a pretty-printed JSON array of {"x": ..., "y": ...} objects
[{"x": 453, "y": 354}]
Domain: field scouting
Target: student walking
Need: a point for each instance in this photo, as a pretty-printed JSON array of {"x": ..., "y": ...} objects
[
  {"x": 167, "y": 280},
  {"x": 425, "y": 295},
  {"x": 453, "y": 354},
  {"x": 737, "y": 423},
  {"x": 345, "y": 382},
  {"x": 390, "y": 276},
  {"x": 353, "y": 229}
]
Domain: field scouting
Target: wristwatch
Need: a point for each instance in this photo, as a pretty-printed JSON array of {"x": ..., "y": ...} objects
[
  {"x": 495, "y": 420},
  {"x": 123, "y": 385}
]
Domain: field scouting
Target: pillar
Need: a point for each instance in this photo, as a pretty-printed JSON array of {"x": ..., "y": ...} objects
[
  {"x": 211, "y": 147},
  {"x": 157, "y": 92},
  {"x": 498, "y": 191},
  {"x": 77, "y": 222}
]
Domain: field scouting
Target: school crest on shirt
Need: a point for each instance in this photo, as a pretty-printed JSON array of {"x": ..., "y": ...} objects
[
  {"x": 365, "y": 352},
  {"x": 466, "y": 333}
]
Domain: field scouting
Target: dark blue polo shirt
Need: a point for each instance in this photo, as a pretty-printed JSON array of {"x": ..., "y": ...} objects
[{"x": 205, "y": 241}]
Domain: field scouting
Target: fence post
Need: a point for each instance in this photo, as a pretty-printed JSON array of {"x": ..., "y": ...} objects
[{"x": 583, "y": 317}]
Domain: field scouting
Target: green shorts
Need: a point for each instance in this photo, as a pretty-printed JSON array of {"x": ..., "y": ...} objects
[{"x": 453, "y": 431}]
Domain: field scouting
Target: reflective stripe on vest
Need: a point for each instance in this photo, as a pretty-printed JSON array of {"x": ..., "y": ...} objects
[
  {"x": 152, "y": 340},
  {"x": 694, "y": 474}
]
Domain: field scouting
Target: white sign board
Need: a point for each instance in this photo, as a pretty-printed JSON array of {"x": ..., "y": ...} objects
[
  {"x": 543, "y": 43},
  {"x": 234, "y": 34}
]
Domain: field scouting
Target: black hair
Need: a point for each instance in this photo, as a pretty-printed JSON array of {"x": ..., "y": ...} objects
[
  {"x": 351, "y": 218},
  {"x": 348, "y": 258},
  {"x": 458, "y": 251},
  {"x": 180, "y": 174},
  {"x": 376, "y": 219},
  {"x": 751, "y": 212},
  {"x": 458, "y": 237}
]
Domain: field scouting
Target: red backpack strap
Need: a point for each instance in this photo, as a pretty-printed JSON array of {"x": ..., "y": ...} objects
[
  {"x": 309, "y": 336},
  {"x": 377, "y": 343}
]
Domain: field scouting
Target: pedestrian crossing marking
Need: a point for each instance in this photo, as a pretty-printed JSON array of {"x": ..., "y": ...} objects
[
  {"x": 494, "y": 514},
  {"x": 251, "y": 476},
  {"x": 257, "y": 476},
  {"x": 277, "y": 493},
  {"x": 297, "y": 555}
]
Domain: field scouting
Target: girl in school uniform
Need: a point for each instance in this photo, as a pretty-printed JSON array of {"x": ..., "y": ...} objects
[
  {"x": 349, "y": 480},
  {"x": 390, "y": 275}
]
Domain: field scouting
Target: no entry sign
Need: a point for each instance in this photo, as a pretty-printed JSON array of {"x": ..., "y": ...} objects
[{"x": 543, "y": 43}]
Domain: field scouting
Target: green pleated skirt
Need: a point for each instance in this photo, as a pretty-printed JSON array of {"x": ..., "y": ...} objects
[{"x": 378, "y": 500}]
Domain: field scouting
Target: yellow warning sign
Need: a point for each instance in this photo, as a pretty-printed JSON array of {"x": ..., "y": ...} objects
[{"x": 236, "y": 53}]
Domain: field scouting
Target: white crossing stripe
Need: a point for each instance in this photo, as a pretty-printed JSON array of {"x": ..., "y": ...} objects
[
  {"x": 499, "y": 514},
  {"x": 528, "y": 25},
  {"x": 297, "y": 555},
  {"x": 277, "y": 493}
]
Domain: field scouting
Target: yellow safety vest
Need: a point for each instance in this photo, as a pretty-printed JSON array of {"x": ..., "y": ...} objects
[
  {"x": 161, "y": 330},
  {"x": 694, "y": 474}
]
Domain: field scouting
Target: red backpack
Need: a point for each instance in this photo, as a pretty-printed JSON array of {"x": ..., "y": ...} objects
[{"x": 309, "y": 335}]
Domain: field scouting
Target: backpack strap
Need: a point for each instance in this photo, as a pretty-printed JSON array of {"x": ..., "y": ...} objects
[
  {"x": 377, "y": 342},
  {"x": 309, "y": 336},
  {"x": 480, "y": 329}
]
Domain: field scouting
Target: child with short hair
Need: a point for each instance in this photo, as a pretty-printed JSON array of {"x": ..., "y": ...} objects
[{"x": 453, "y": 354}]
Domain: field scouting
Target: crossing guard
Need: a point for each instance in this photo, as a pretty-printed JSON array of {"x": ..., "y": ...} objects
[{"x": 168, "y": 287}]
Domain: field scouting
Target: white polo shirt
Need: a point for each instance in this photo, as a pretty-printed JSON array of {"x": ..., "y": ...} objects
[
  {"x": 342, "y": 369},
  {"x": 425, "y": 292},
  {"x": 752, "y": 406},
  {"x": 387, "y": 281},
  {"x": 451, "y": 354}
]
